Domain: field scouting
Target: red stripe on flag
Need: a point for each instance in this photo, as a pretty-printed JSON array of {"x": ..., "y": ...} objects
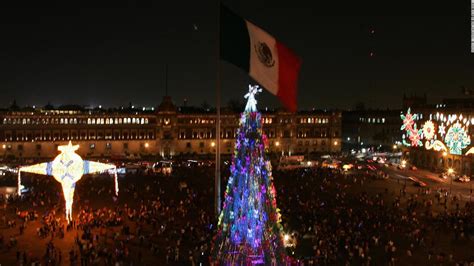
[{"x": 289, "y": 68}]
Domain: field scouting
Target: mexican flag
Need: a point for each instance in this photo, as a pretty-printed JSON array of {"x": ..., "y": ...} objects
[{"x": 266, "y": 60}]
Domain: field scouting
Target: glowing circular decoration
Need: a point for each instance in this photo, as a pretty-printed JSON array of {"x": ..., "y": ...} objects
[
  {"x": 428, "y": 130},
  {"x": 457, "y": 139},
  {"x": 68, "y": 165}
]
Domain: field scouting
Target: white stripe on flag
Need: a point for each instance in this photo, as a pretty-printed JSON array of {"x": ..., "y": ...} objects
[{"x": 263, "y": 58}]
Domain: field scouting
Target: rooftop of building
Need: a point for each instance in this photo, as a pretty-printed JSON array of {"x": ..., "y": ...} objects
[{"x": 166, "y": 106}]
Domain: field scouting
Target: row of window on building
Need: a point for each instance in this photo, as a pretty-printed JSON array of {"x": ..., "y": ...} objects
[
  {"x": 188, "y": 134},
  {"x": 212, "y": 121},
  {"x": 313, "y": 134},
  {"x": 82, "y": 136},
  {"x": 140, "y": 120},
  {"x": 314, "y": 120},
  {"x": 201, "y": 121},
  {"x": 231, "y": 134},
  {"x": 265, "y": 120},
  {"x": 73, "y": 121},
  {"x": 372, "y": 120}
]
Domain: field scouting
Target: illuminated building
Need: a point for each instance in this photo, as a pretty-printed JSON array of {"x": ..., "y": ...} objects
[
  {"x": 439, "y": 137},
  {"x": 377, "y": 128},
  {"x": 163, "y": 131}
]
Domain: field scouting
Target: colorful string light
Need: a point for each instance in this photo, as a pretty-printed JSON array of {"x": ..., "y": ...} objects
[{"x": 249, "y": 227}]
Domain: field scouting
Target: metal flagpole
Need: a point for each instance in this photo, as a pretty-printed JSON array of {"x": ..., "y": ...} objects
[
  {"x": 166, "y": 79},
  {"x": 217, "y": 179}
]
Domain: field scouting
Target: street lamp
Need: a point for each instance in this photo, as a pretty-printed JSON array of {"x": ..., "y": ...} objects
[
  {"x": 445, "y": 154},
  {"x": 394, "y": 146}
]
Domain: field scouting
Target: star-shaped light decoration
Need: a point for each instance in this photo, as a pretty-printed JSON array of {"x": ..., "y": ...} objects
[
  {"x": 409, "y": 127},
  {"x": 67, "y": 168},
  {"x": 442, "y": 129},
  {"x": 250, "y": 96},
  {"x": 408, "y": 120},
  {"x": 68, "y": 148}
]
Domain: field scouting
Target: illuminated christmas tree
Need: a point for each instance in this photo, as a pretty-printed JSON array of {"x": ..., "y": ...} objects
[{"x": 249, "y": 229}]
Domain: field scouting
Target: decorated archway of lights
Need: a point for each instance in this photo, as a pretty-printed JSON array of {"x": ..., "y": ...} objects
[
  {"x": 441, "y": 132},
  {"x": 67, "y": 168}
]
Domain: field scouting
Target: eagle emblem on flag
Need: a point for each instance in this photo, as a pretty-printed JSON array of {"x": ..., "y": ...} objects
[{"x": 264, "y": 54}]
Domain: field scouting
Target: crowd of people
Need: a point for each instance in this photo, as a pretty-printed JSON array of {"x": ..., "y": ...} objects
[
  {"x": 339, "y": 218},
  {"x": 333, "y": 217},
  {"x": 155, "y": 219}
]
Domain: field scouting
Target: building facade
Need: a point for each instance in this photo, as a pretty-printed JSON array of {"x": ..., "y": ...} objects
[
  {"x": 438, "y": 137},
  {"x": 165, "y": 131},
  {"x": 371, "y": 128}
]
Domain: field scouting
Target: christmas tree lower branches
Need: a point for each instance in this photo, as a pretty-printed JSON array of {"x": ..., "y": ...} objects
[{"x": 249, "y": 230}]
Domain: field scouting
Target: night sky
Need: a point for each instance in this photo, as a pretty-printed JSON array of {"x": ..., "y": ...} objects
[{"x": 113, "y": 56}]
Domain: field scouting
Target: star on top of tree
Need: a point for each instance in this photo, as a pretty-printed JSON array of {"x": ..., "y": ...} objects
[{"x": 250, "y": 96}]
